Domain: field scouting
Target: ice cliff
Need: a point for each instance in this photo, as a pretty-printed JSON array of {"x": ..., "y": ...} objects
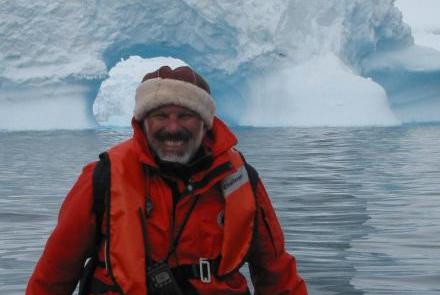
[{"x": 271, "y": 63}]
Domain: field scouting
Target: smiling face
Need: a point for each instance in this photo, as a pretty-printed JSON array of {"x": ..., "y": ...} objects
[{"x": 174, "y": 133}]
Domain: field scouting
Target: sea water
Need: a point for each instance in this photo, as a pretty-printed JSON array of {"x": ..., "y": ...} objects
[{"x": 360, "y": 207}]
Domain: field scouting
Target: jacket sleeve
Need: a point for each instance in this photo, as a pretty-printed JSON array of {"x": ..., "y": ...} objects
[
  {"x": 273, "y": 270},
  {"x": 60, "y": 266}
]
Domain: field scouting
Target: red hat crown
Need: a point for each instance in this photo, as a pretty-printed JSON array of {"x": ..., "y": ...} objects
[{"x": 181, "y": 73}]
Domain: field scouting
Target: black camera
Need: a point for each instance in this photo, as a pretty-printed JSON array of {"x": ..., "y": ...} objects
[{"x": 161, "y": 280}]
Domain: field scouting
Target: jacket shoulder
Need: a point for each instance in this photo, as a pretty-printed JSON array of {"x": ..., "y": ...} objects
[
  {"x": 122, "y": 146},
  {"x": 121, "y": 150}
]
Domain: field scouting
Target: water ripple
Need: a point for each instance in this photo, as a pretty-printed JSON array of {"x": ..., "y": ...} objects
[{"x": 360, "y": 207}]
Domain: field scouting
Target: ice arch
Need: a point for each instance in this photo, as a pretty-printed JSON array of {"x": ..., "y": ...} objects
[{"x": 320, "y": 92}]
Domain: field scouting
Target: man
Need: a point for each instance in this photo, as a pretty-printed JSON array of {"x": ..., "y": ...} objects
[{"x": 182, "y": 210}]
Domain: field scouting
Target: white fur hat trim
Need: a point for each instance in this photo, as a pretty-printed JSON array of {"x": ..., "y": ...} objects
[{"x": 157, "y": 92}]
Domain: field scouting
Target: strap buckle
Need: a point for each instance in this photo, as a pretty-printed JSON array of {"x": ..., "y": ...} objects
[{"x": 205, "y": 270}]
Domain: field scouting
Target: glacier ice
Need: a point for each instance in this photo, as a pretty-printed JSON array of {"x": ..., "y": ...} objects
[
  {"x": 320, "y": 92},
  {"x": 411, "y": 77},
  {"x": 55, "y": 55},
  {"x": 114, "y": 103}
]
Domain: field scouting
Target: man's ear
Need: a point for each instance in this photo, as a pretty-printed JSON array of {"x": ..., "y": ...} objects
[
  {"x": 208, "y": 132},
  {"x": 143, "y": 125}
]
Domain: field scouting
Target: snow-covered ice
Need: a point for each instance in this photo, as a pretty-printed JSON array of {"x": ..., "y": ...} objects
[
  {"x": 320, "y": 92},
  {"x": 56, "y": 57},
  {"x": 114, "y": 103}
]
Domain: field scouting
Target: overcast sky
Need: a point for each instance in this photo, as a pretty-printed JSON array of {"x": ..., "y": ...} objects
[
  {"x": 424, "y": 18},
  {"x": 420, "y": 13}
]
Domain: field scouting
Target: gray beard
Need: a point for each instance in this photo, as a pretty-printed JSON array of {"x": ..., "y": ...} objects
[{"x": 177, "y": 157}]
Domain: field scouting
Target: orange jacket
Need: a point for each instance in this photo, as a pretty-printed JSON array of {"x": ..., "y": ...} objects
[{"x": 273, "y": 270}]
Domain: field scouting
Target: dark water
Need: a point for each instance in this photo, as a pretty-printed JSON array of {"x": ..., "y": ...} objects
[{"x": 360, "y": 207}]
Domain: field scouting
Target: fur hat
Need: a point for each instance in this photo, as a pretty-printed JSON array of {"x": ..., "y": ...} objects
[{"x": 181, "y": 86}]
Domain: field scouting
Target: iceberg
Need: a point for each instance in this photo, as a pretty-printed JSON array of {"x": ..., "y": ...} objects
[{"x": 70, "y": 65}]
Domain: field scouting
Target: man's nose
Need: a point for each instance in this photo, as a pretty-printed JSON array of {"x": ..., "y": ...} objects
[{"x": 173, "y": 124}]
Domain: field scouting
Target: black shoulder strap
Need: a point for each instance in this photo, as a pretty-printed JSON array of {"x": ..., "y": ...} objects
[
  {"x": 253, "y": 177},
  {"x": 101, "y": 183},
  {"x": 252, "y": 174}
]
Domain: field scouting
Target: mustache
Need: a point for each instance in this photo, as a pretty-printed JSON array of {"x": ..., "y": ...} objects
[{"x": 183, "y": 135}]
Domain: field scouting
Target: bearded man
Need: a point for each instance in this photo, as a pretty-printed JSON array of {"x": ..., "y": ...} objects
[{"x": 175, "y": 209}]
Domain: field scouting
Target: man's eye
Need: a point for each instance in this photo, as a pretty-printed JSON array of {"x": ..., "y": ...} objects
[
  {"x": 187, "y": 115},
  {"x": 160, "y": 115}
]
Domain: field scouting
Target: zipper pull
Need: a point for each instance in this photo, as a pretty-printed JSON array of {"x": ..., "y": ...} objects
[
  {"x": 190, "y": 186},
  {"x": 148, "y": 206}
]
